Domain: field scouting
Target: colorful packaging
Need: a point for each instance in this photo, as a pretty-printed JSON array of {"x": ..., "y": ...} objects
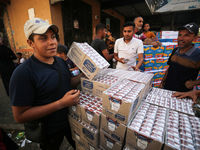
[
  {"x": 158, "y": 52},
  {"x": 168, "y": 50},
  {"x": 156, "y": 84},
  {"x": 148, "y": 64},
  {"x": 148, "y": 52},
  {"x": 165, "y": 65},
  {"x": 158, "y": 76},
  {"x": 158, "y": 64},
  {"x": 175, "y": 41}
]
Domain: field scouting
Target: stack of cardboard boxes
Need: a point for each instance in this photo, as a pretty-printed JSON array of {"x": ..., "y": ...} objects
[
  {"x": 163, "y": 122},
  {"x": 119, "y": 110},
  {"x": 109, "y": 127},
  {"x": 85, "y": 117}
]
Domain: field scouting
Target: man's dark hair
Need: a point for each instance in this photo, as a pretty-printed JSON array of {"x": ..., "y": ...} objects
[
  {"x": 129, "y": 23},
  {"x": 99, "y": 27},
  {"x": 31, "y": 37},
  {"x": 146, "y": 23},
  {"x": 62, "y": 49},
  {"x": 19, "y": 53}
]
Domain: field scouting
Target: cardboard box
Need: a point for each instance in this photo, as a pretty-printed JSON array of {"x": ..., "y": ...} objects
[
  {"x": 88, "y": 60},
  {"x": 80, "y": 146},
  {"x": 107, "y": 142},
  {"x": 113, "y": 127},
  {"x": 83, "y": 144},
  {"x": 141, "y": 142},
  {"x": 75, "y": 111},
  {"x": 181, "y": 131},
  {"x": 126, "y": 104},
  {"x": 80, "y": 129},
  {"x": 91, "y": 118},
  {"x": 89, "y": 102},
  {"x": 136, "y": 137},
  {"x": 98, "y": 85},
  {"x": 136, "y": 76}
]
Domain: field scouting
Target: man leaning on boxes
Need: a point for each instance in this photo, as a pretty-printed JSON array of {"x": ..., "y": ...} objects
[{"x": 184, "y": 63}]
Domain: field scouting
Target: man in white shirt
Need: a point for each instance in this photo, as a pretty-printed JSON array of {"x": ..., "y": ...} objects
[
  {"x": 128, "y": 48},
  {"x": 20, "y": 59}
]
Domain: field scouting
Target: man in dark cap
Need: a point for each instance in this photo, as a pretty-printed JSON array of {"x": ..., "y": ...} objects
[{"x": 184, "y": 63}]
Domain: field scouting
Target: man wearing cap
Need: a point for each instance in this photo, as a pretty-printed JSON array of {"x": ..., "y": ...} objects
[
  {"x": 184, "y": 63},
  {"x": 41, "y": 86}
]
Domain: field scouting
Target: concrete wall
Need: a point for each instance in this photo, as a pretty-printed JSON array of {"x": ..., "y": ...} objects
[
  {"x": 118, "y": 16},
  {"x": 96, "y": 11},
  {"x": 56, "y": 15},
  {"x": 18, "y": 15}
]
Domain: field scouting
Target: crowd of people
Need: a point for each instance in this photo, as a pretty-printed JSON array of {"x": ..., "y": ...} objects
[{"x": 49, "y": 83}]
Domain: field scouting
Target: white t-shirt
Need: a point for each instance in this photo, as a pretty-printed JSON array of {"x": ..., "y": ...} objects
[
  {"x": 128, "y": 51},
  {"x": 22, "y": 60}
]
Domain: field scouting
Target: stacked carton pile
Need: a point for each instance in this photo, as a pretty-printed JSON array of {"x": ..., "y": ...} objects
[
  {"x": 163, "y": 122},
  {"x": 147, "y": 129},
  {"x": 113, "y": 112},
  {"x": 85, "y": 116},
  {"x": 90, "y": 127},
  {"x": 85, "y": 121},
  {"x": 119, "y": 104}
]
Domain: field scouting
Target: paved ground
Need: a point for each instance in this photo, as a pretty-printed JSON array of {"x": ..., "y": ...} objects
[{"x": 12, "y": 128}]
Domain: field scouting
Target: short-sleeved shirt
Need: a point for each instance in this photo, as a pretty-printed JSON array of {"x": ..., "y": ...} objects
[
  {"x": 139, "y": 35},
  {"x": 128, "y": 51},
  {"x": 35, "y": 83},
  {"x": 99, "y": 46},
  {"x": 149, "y": 34},
  {"x": 70, "y": 63},
  {"x": 182, "y": 67},
  {"x": 6, "y": 59}
]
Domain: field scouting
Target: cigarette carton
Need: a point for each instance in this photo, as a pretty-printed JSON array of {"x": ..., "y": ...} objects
[
  {"x": 107, "y": 142},
  {"x": 147, "y": 129},
  {"x": 123, "y": 98},
  {"x": 80, "y": 130},
  {"x": 88, "y": 60},
  {"x": 91, "y": 113},
  {"x": 98, "y": 85},
  {"x": 113, "y": 127}
]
